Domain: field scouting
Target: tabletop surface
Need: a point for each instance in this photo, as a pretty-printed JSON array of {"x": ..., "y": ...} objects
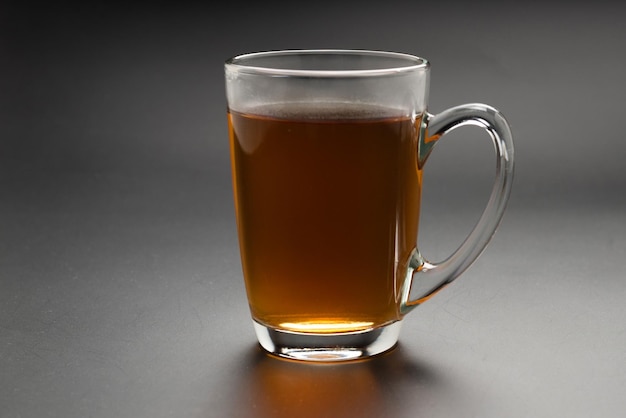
[{"x": 121, "y": 291}]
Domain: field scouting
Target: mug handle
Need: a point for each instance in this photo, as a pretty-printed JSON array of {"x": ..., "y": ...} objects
[{"x": 424, "y": 279}]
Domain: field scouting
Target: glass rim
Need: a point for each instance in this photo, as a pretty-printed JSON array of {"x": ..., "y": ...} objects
[{"x": 238, "y": 63}]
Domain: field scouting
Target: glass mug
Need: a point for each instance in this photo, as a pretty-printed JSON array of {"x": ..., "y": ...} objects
[{"x": 327, "y": 152}]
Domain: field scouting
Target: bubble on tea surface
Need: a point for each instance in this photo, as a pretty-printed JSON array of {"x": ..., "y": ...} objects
[{"x": 320, "y": 111}]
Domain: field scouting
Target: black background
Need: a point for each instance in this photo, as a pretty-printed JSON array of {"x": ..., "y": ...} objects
[{"x": 120, "y": 284}]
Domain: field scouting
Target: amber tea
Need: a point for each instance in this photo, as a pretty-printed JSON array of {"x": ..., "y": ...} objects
[{"x": 327, "y": 200}]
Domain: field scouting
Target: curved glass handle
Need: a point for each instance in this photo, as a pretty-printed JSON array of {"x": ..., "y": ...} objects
[{"x": 424, "y": 279}]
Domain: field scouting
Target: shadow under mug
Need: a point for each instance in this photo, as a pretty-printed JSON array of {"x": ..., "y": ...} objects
[
  {"x": 378, "y": 387},
  {"x": 327, "y": 152}
]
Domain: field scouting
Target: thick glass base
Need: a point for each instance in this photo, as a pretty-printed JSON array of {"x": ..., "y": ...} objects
[{"x": 328, "y": 347}]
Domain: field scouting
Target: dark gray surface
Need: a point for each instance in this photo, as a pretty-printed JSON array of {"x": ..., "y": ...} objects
[{"x": 120, "y": 284}]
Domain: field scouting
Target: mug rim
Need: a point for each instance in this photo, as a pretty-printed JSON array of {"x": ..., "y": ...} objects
[{"x": 238, "y": 63}]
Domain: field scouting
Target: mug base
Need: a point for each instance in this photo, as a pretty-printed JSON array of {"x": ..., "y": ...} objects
[{"x": 328, "y": 347}]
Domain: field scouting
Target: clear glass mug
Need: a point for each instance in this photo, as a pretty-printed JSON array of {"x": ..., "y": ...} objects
[{"x": 327, "y": 152}]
